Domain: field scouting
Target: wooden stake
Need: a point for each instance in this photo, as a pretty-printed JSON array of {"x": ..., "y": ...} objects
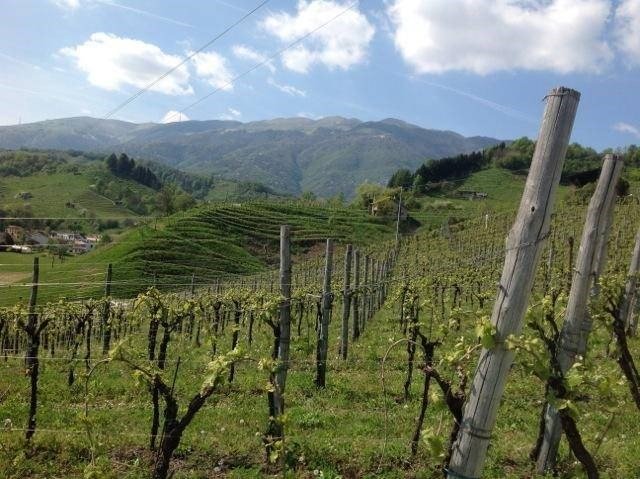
[
  {"x": 578, "y": 323},
  {"x": 323, "y": 330},
  {"x": 524, "y": 246},
  {"x": 346, "y": 303}
]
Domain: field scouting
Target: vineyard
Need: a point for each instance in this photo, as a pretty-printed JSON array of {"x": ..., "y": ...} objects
[{"x": 374, "y": 359}]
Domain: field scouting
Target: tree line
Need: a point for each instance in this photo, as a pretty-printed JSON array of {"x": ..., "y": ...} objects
[
  {"x": 581, "y": 167},
  {"x": 125, "y": 167}
]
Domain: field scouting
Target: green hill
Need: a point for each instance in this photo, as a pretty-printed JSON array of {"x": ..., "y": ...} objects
[
  {"x": 211, "y": 242},
  {"x": 327, "y": 156}
]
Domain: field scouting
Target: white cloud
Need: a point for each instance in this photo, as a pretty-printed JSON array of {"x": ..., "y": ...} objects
[
  {"x": 111, "y": 62},
  {"x": 231, "y": 115},
  {"x": 627, "y": 128},
  {"x": 485, "y": 36},
  {"x": 74, "y": 4},
  {"x": 213, "y": 68},
  {"x": 246, "y": 53},
  {"x": 342, "y": 43},
  {"x": 67, "y": 4},
  {"x": 288, "y": 89},
  {"x": 627, "y": 30},
  {"x": 173, "y": 116}
]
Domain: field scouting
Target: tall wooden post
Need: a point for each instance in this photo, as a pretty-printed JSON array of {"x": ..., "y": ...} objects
[
  {"x": 33, "y": 337},
  {"x": 346, "y": 303},
  {"x": 323, "y": 330},
  {"x": 631, "y": 286},
  {"x": 524, "y": 245},
  {"x": 398, "y": 219},
  {"x": 367, "y": 285},
  {"x": 285, "y": 321},
  {"x": 105, "y": 323},
  {"x": 355, "y": 333},
  {"x": 578, "y": 323}
]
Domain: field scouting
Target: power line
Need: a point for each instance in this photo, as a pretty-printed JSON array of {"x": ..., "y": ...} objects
[
  {"x": 264, "y": 62},
  {"x": 186, "y": 59}
]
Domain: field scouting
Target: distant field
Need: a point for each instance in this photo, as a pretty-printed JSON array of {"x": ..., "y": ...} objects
[
  {"x": 51, "y": 192},
  {"x": 504, "y": 190}
]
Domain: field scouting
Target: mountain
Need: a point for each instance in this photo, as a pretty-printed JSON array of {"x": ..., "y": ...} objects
[{"x": 326, "y": 156}]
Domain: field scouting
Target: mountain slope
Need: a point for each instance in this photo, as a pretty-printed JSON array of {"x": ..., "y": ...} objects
[{"x": 327, "y": 156}]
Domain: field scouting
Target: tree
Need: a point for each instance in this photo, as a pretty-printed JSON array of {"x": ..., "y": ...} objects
[
  {"x": 419, "y": 185},
  {"x": 125, "y": 165},
  {"x": 166, "y": 200},
  {"x": 401, "y": 178},
  {"x": 112, "y": 162}
]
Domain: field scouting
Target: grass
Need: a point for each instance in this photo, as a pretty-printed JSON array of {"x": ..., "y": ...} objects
[
  {"x": 340, "y": 430},
  {"x": 350, "y": 429},
  {"x": 504, "y": 190},
  {"x": 52, "y": 192},
  {"x": 212, "y": 242}
]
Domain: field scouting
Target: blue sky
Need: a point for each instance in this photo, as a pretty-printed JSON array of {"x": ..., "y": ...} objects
[{"x": 478, "y": 67}]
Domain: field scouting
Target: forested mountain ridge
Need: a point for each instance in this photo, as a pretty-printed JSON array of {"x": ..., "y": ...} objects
[{"x": 326, "y": 156}]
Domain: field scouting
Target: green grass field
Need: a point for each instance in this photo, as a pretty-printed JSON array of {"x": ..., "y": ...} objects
[
  {"x": 503, "y": 188},
  {"x": 51, "y": 193}
]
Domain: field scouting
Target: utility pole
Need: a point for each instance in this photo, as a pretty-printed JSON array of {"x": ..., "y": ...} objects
[{"x": 398, "y": 218}]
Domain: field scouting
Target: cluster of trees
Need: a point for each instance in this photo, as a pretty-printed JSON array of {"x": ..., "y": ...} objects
[
  {"x": 434, "y": 172},
  {"x": 582, "y": 165},
  {"x": 27, "y": 162},
  {"x": 125, "y": 167}
]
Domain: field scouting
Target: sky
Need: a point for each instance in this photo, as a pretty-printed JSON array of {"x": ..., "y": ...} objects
[{"x": 477, "y": 67}]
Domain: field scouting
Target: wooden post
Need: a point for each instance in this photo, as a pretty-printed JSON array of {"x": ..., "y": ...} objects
[
  {"x": 524, "y": 245},
  {"x": 631, "y": 286},
  {"x": 285, "y": 323},
  {"x": 367, "y": 284},
  {"x": 578, "y": 323},
  {"x": 355, "y": 333},
  {"x": 346, "y": 303},
  {"x": 398, "y": 219},
  {"x": 105, "y": 324},
  {"x": 32, "y": 361},
  {"x": 323, "y": 330}
]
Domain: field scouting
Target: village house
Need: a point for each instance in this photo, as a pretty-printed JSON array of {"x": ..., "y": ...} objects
[
  {"x": 472, "y": 195},
  {"x": 16, "y": 232},
  {"x": 66, "y": 236},
  {"x": 81, "y": 246},
  {"x": 36, "y": 238},
  {"x": 388, "y": 207}
]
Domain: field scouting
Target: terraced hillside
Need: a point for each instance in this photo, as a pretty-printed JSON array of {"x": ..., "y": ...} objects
[{"x": 210, "y": 242}]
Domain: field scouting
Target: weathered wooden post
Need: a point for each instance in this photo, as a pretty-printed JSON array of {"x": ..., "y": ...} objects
[
  {"x": 346, "y": 303},
  {"x": 524, "y": 245},
  {"x": 33, "y": 337},
  {"x": 323, "y": 330},
  {"x": 105, "y": 322},
  {"x": 366, "y": 291},
  {"x": 355, "y": 333},
  {"x": 578, "y": 323},
  {"x": 631, "y": 286},
  {"x": 285, "y": 326}
]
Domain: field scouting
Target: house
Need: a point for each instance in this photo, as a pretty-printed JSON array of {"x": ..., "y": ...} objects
[
  {"x": 16, "y": 232},
  {"x": 93, "y": 239},
  {"x": 36, "y": 238},
  {"x": 388, "y": 207},
  {"x": 472, "y": 195},
  {"x": 81, "y": 246},
  {"x": 66, "y": 236}
]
